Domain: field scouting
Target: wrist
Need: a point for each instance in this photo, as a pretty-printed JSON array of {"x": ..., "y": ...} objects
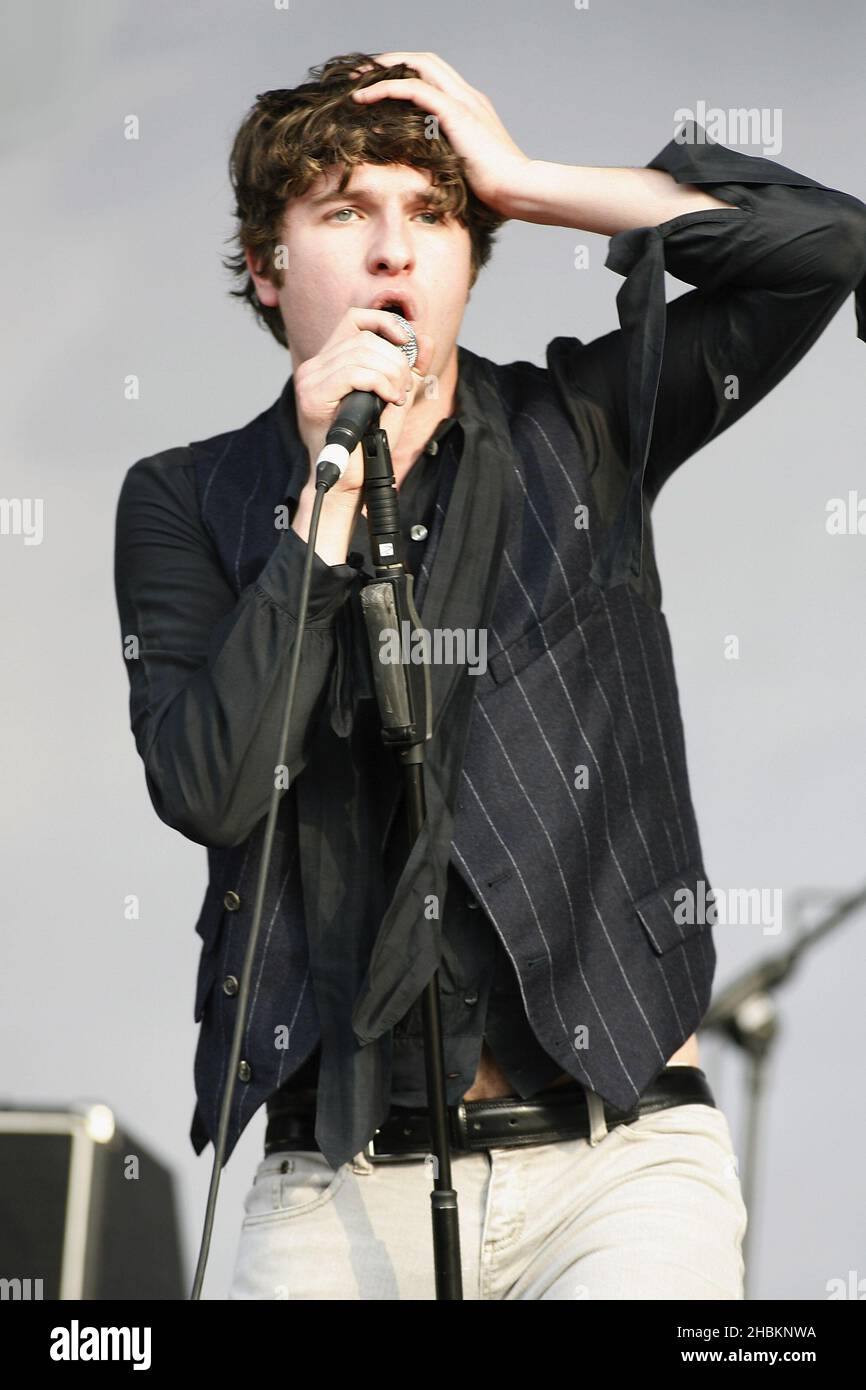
[
  {"x": 337, "y": 520},
  {"x": 343, "y": 499},
  {"x": 522, "y": 190},
  {"x": 336, "y": 503}
]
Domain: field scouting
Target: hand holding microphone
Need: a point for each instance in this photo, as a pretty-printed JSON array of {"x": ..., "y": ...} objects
[{"x": 369, "y": 352}]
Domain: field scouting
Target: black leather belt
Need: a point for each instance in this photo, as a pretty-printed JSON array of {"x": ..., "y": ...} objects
[{"x": 560, "y": 1112}]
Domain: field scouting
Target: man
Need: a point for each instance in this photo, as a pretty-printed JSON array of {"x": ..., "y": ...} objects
[{"x": 590, "y": 1159}]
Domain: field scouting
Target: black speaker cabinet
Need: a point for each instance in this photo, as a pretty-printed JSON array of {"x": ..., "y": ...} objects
[{"x": 85, "y": 1211}]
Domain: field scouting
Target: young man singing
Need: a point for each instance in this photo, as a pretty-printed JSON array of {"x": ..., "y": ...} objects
[{"x": 589, "y": 1156}]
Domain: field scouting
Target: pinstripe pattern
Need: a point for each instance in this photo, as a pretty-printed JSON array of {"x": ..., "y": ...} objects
[{"x": 578, "y": 882}]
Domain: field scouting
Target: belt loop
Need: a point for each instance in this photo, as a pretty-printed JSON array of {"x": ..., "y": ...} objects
[{"x": 597, "y": 1121}]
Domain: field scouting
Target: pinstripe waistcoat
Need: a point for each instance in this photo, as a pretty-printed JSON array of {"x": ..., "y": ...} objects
[{"x": 574, "y": 824}]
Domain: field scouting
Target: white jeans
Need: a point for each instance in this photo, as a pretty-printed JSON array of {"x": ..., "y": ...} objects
[{"x": 650, "y": 1210}]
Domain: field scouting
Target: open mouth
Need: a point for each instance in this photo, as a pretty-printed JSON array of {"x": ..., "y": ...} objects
[
  {"x": 398, "y": 309},
  {"x": 397, "y": 305}
]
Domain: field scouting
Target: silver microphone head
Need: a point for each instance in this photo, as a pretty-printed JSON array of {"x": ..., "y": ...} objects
[{"x": 410, "y": 348}]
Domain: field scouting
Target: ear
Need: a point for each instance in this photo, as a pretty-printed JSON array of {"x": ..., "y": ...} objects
[{"x": 266, "y": 292}]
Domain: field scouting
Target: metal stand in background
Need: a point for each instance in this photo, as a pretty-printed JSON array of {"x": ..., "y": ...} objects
[
  {"x": 404, "y": 697},
  {"x": 745, "y": 1012}
]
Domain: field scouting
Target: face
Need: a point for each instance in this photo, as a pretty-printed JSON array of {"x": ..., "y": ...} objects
[{"x": 345, "y": 249}]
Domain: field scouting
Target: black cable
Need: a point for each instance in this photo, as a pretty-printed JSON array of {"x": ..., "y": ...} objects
[{"x": 322, "y": 486}]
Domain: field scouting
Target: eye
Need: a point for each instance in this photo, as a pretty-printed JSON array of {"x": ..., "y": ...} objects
[{"x": 438, "y": 216}]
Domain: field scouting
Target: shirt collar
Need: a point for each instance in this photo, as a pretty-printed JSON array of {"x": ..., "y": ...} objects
[{"x": 467, "y": 409}]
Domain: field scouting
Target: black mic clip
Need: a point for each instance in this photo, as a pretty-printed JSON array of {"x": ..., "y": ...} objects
[{"x": 402, "y": 683}]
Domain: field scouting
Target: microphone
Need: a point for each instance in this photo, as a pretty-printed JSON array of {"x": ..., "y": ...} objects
[{"x": 357, "y": 415}]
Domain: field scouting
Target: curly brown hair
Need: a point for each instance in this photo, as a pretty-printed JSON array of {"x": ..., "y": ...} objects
[{"x": 291, "y": 136}]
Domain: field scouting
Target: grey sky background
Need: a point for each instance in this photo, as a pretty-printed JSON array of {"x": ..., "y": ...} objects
[{"x": 111, "y": 266}]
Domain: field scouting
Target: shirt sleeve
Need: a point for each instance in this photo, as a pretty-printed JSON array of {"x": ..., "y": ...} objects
[
  {"x": 770, "y": 272},
  {"x": 207, "y": 668}
]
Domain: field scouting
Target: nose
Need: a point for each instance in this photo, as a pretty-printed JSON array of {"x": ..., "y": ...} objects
[{"x": 391, "y": 245}]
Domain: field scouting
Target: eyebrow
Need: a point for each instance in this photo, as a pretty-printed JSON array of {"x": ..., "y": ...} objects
[{"x": 364, "y": 195}]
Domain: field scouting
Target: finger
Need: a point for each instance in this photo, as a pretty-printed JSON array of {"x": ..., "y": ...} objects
[
  {"x": 426, "y": 348},
  {"x": 370, "y": 352},
  {"x": 439, "y": 73},
  {"x": 430, "y": 98},
  {"x": 353, "y": 375},
  {"x": 366, "y": 354},
  {"x": 433, "y": 68},
  {"x": 371, "y": 345},
  {"x": 380, "y": 321},
  {"x": 379, "y": 327}
]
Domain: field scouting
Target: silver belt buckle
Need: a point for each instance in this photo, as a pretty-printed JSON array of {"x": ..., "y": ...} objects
[
  {"x": 370, "y": 1153},
  {"x": 374, "y": 1155}
]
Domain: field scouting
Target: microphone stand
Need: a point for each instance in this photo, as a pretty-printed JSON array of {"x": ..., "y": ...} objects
[
  {"x": 745, "y": 1013},
  {"x": 403, "y": 694}
]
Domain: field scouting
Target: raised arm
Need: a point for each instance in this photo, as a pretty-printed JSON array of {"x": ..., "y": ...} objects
[
  {"x": 770, "y": 273},
  {"x": 773, "y": 254}
]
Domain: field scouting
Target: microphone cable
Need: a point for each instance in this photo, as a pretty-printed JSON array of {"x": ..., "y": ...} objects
[{"x": 328, "y": 471}]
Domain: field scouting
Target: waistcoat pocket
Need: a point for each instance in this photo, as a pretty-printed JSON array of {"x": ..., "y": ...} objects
[{"x": 677, "y": 910}]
